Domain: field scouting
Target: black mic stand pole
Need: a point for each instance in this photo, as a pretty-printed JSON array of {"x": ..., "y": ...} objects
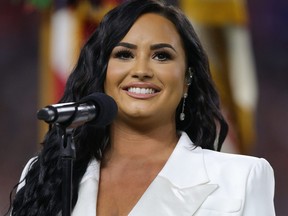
[{"x": 68, "y": 155}]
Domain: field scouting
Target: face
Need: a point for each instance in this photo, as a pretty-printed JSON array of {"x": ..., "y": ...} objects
[{"x": 146, "y": 71}]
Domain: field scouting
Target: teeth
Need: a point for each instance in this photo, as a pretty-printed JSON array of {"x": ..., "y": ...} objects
[{"x": 141, "y": 90}]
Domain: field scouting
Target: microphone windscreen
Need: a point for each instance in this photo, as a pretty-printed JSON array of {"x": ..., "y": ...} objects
[{"x": 106, "y": 108}]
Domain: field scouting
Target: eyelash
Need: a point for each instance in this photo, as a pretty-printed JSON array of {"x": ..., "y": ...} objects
[
  {"x": 124, "y": 54},
  {"x": 166, "y": 55}
]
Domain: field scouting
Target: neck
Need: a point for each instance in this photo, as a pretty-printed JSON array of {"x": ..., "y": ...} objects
[{"x": 130, "y": 143}]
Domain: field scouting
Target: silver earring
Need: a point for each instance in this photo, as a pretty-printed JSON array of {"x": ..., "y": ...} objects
[
  {"x": 182, "y": 114},
  {"x": 189, "y": 79}
]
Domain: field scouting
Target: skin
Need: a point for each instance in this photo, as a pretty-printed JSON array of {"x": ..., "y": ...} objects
[{"x": 151, "y": 56}]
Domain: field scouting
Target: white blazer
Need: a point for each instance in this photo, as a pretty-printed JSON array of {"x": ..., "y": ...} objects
[{"x": 197, "y": 182}]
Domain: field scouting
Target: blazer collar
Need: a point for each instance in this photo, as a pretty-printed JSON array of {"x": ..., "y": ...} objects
[
  {"x": 181, "y": 186},
  {"x": 179, "y": 189},
  {"x": 186, "y": 166}
]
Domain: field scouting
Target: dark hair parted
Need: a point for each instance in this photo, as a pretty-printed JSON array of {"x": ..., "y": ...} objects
[{"x": 204, "y": 123}]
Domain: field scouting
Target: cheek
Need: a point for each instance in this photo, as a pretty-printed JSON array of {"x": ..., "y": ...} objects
[
  {"x": 174, "y": 81},
  {"x": 114, "y": 76},
  {"x": 173, "y": 77}
]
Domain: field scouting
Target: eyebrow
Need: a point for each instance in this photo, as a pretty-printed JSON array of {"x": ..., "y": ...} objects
[
  {"x": 127, "y": 45},
  {"x": 152, "y": 47},
  {"x": 162, "y": 45}
]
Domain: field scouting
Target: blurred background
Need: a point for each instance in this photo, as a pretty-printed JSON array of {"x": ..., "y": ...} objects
[{"x": 246, "y": 41}]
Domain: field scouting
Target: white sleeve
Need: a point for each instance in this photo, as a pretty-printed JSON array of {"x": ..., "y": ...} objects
[
  {"x": 260, "y": 190},
  {"x": 24, "y": 173}
]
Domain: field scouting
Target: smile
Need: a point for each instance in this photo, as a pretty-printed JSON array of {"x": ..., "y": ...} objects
[{"x": 138, "y": 90}]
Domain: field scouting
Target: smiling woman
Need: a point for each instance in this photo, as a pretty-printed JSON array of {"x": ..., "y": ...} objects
[
  {"x": 146, "y": 73},
  {"x": 160, "y": 154}
]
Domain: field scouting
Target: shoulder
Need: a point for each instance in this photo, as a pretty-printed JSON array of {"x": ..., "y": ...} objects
[
  {"x": 223, "y": 160},
  {"x": 238, "y": 169},
  {"x": 239, "y": 177},
  {"x": 235, "y": 160},
  {"x": 250, "y": 178}
]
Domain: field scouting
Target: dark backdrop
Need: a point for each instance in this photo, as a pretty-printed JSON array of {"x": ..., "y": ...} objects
[{"x": 19, "y": 71}]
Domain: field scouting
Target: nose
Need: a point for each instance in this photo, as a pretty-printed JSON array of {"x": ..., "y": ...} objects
[{"x": 142, "y": 69}]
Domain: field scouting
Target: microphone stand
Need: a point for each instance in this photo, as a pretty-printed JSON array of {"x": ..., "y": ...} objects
[
  {"x": 68, "y": 155},
  {"x": 66, "y": 117}
]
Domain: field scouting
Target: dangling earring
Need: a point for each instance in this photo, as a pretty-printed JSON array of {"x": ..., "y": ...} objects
[
  {"x": 182, "y": 114},
  {"x": 188, "y": 80}
]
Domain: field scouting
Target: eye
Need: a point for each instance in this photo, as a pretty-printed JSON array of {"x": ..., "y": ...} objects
[
  {"x": 123, "y": 54},
  {"x": 162, "y": 56}
]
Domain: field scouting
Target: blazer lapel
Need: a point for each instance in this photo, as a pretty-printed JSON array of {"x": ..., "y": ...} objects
[
  {"x": 181, "y": 187},
  {"x": 164, "y": 199},
  {"x": 88, "y": 190}
]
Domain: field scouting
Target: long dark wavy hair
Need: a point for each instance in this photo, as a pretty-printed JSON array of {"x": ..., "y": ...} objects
[{"x": 204, "y": 122}]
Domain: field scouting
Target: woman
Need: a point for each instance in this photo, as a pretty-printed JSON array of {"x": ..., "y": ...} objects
[{"x": 156, "y": 158}]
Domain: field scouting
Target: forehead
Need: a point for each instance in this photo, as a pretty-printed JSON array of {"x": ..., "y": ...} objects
[{"x": 154, "y": 27}]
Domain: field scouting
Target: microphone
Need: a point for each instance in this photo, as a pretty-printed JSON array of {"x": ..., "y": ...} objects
[{"x": 98, "y": 109}]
